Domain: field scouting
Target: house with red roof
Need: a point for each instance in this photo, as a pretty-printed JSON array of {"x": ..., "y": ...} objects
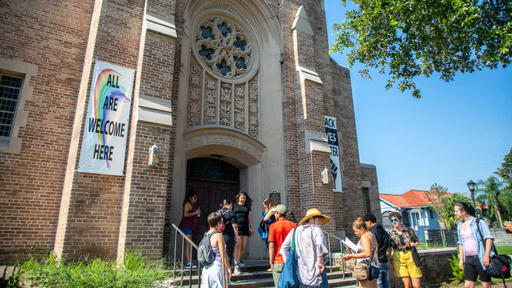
[{"x": 415, "y": 208}]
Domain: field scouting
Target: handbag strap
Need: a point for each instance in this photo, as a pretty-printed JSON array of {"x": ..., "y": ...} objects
[
  {"x": 293, "y": 238},
  {"x": 482, "y": 238}
]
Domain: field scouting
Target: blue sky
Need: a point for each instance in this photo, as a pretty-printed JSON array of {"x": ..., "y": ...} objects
[{"x": 457, "y": 131}]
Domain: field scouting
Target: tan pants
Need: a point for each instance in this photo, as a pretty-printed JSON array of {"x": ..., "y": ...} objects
[{"x": 276, "y": 272}]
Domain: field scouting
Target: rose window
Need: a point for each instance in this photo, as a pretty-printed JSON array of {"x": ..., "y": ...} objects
[{"x": 223, "y": 48}]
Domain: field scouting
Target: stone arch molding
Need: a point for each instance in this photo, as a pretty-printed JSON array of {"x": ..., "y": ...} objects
[
  {"x": 243, "y": 151},
  {"x": 225, "y": 40}
]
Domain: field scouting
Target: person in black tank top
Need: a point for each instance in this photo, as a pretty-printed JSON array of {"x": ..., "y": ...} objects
[
  {"x": 243, "y": 214},
  {"x": 230, "y": 232}
]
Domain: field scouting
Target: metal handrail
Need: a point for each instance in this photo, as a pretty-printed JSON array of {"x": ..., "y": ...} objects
[
  {"x": 342, "y": 246},
  {"x": 192, "y": 246}
]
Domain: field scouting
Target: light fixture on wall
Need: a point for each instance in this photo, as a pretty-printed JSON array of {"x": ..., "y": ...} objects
[
  {"x": 154, "y": 155},
  {"x": 325, "y": 175}
]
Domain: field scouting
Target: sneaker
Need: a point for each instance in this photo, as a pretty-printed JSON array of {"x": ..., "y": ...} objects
[
  {"x": 241, "y": 264},
  {"x": 237, "y": 270},
  {"x": 189, "y": 265}
]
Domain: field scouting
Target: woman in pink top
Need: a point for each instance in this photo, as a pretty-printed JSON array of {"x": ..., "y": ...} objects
[{"x": 475, "y": 243}]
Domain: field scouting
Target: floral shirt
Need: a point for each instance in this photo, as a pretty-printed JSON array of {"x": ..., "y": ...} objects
[{"x": 401, "y": 240}]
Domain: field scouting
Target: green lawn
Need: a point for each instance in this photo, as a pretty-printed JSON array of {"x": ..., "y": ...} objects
[{"x": 507, "y": 250}]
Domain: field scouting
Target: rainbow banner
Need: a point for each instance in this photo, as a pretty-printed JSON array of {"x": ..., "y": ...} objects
[{"x": 106, "y": 124}]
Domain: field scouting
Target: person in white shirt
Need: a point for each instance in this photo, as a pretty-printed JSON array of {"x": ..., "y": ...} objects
[{"x": 310, "y": 248}]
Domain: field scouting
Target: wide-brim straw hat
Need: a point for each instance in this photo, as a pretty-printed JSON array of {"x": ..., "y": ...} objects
[{"x": 313, "y": 212}]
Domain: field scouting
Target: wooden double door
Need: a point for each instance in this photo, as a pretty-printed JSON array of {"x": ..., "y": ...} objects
[{"x": 213, "y": 180}]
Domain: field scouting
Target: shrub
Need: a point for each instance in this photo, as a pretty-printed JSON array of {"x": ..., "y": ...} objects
[
  {"x": 136, "y": 271},
  {"x": 457, "y": 273}
]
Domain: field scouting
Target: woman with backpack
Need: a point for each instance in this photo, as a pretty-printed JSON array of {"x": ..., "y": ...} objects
[
  {"x": 474, "y": 248},
  {"x": 212, "y": 274},
  {"x": 230, "y": 232}
]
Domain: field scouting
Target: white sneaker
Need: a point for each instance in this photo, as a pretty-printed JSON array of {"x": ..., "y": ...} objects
[
  {"x": 237, "y": 270},
  {"x": 241, "y": 264}
]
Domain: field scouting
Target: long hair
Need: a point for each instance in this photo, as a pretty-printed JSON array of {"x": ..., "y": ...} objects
[
  {"x": 191, "y": 193},
  {"x": 268, "y": 204},
  {"x": 248, "y": 200}
]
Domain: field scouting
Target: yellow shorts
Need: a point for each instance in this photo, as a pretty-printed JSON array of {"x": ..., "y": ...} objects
[{"x": 404, "y": 266}]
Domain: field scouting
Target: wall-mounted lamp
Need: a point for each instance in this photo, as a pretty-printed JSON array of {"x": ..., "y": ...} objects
[
  {"x": 154, "y": 153},
  {"x": 325, "y": 175}
]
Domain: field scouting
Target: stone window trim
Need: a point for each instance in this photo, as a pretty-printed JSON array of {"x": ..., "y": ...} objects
[
  {"x": 161, "y": 25},
  {"x": 214, "y": 139},
  {"x": 210, "y": 53},
  {"x": 27, "y": 71}
]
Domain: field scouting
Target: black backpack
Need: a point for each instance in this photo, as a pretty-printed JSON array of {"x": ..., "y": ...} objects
[{"x": 205, "y": 254}]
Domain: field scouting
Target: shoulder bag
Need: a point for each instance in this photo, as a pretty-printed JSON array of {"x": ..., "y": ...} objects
[
  {"x": 362, "y": 271},
  {"x": 499, "y": 265},
  {"x": 415, "y": 255},
  {"x": 289, "y": 277}
]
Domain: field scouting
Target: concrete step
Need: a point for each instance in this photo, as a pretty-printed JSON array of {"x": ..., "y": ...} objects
[
  {"x": 262, "y": 279},
  {"x": 266, "y": 283}
]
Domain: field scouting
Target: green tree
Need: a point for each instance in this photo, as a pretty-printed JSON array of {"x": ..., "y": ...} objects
[
  {"x": 505, "y": 172},
  {"x": 410, "y": 38},
  {"x": 505, "y": 197},
  {"x": 490, "y": 190},
  {"x": 447, "y": 212},
  {"x": 435, "y": 196},
  {"x": 505, "y": 201}
]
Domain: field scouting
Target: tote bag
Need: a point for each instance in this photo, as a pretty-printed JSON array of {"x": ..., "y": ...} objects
[{"x": 289, "y": 277}]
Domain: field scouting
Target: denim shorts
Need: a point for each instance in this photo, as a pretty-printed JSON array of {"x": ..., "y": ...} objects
[{"x": 186, "y": 231}]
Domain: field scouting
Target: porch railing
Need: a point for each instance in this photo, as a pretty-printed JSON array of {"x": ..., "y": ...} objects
[
  {"x": 342, "y": 247},
  {"x": 173, "y": 241}
]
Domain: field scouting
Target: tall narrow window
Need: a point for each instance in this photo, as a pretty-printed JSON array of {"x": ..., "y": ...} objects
[
  {"x": 366, "y": 200},
  {"x": 10, "y": 88}
]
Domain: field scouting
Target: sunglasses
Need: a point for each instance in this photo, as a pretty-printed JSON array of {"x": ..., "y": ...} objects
[{"x": 394, "y": 220}]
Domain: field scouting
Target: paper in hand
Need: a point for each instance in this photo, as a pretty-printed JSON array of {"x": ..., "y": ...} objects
[{"x": 350, "y": 245}]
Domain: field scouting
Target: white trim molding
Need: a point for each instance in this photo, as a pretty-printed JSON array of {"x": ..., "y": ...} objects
[{"x": 161, "y": 25}]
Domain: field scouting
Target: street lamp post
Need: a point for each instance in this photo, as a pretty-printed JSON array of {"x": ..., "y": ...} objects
[{"x": 471, "y": 187}]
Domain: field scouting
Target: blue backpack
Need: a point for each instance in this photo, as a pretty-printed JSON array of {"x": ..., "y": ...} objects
[{"x": 205, "y": 254}]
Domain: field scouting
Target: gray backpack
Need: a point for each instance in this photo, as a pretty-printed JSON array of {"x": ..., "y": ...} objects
[{"x": 205, "y": 254}]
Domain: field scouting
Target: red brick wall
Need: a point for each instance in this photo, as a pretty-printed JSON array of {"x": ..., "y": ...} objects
[
  {"x": 333, "y": 97},
  {"x": 52, "y": 37},
  {"x": 117, "y": 42},
  {"x": 369, "y": 173},
  {"x": 151, "y": 187}
]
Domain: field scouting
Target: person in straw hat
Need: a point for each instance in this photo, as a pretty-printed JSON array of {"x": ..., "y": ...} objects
[{"x": 310, "y": 248}]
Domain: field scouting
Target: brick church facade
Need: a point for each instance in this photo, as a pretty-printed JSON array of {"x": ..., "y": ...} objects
[{"x": 233, "y": 93}]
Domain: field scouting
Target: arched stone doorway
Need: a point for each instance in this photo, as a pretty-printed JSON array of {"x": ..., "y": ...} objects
[
  {"x": 213, "y": 180},
  {"x": 233, "y": 110}
]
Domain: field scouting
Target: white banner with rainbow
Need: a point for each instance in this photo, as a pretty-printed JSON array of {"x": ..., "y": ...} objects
[{"x": 106, "y": 124}]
